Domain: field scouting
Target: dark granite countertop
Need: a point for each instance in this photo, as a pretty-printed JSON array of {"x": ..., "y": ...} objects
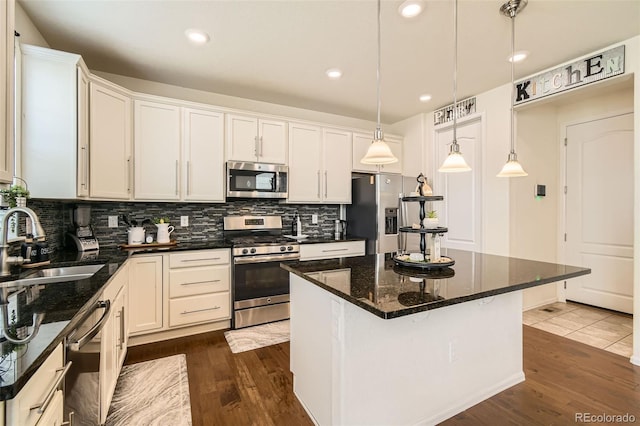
[
  {"x": 388, "y": 291},
  {"x": 64, "y": 305}
]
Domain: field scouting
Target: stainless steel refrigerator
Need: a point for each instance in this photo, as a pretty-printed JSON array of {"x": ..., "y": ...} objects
[{"x": 374, "y": 211}]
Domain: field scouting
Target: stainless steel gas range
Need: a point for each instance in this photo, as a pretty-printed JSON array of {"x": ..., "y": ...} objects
[{"x": 260, "y": 286}]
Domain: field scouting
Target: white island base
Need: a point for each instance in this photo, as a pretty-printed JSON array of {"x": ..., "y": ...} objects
[{"x": 351, "y": 367}]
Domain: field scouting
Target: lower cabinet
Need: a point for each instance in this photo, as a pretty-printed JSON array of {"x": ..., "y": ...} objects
[
  {"x": 30, "y": 406},
  {"x": 332, "y": 250},
  {"x": 175, "y": 290}
]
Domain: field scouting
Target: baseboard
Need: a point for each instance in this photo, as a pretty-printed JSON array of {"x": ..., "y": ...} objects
[
  {"x": 635, "y": 360},
  {"x": 540, "y": 303},
  {"x": 178, "y": 332},
  {"x": 473, "y": 400}
]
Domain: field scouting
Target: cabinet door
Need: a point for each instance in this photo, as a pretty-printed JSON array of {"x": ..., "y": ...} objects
[
  {"x": 54, "y": 414},
  {"x": 361, "y": 142},
  {"x": 6, "y": 89},
  {"x": 145, "y": 294},
  {"x": 203, "y": 173},
  {"x": 305, "y": 163},
  {"x": 83, "y": 132},
  {"x": 156, "y": 151},
  {"x": 336, "y": 160},
  {"x": 110, "y": 170},
  {"x": 242, "y": 138},
  {"x": 272, "y": 141}
]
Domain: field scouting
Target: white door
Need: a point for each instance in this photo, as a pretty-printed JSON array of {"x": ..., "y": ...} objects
[
  {"x": 599, "y": 211},
  {"x": 461, "y": 210},
  {"x": 242, "y": 138},
  {"x": 304, "y": 168},
  {"x": 272, "y": 141},
  {"x": 337, "y": 166}
]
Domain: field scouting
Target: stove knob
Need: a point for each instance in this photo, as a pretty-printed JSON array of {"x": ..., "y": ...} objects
[
  {"x": 253, "y": 250},
  {"x": 290, "y": 248},
  {"x": 245, "y": 251},
  {"x": 283, "y": 248}
]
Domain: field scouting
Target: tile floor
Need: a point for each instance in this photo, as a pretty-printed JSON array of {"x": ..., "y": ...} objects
[{"x": 608, "y": 330}]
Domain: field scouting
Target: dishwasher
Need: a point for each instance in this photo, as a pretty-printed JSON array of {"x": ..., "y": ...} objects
[{"x": 82, "y": 383}]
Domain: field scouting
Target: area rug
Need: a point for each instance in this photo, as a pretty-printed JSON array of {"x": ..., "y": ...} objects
[
  {"x": 259, "y": 336},
  {"x": 152, "y": 393}
]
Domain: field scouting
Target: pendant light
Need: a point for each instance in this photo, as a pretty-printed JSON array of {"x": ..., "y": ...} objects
[
  {"x": 454, "y": 161},
  {"x": 512, "y": 168},
  {"x": 379, "y": 152}
]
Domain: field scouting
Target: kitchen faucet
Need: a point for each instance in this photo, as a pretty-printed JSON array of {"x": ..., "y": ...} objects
[{"x": 38, "y": 234}]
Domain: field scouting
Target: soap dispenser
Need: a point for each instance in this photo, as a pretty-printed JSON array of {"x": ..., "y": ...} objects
[{"x": 294, "y": 224}]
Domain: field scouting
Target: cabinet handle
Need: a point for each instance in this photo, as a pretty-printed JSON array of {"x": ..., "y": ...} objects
[
  {"x": 318, "y": 184},
  {"x": 84, "y": 168},
  {"x": 200, "y": 259},
  {"x": 325, "y": 184},
  {"x": 330, "y": 250},
  {"x": 200, "y": 310},
  {"x": 129, "y": 175},
  {"x": 70, "y": 421},
  {"x": 177, "y": 165},
  {"x": 200, "y": 282},
  {"x": 120, "y": 315},
  {"x": 47, "y": 399},
  {"x": 188, "y": 178},
  {"x": 255, "y": 146},
  {"x": 260, "y": 146}
]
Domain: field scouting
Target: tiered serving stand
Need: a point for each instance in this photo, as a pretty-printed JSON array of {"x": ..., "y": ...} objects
[{"x": 426, "y": 261}]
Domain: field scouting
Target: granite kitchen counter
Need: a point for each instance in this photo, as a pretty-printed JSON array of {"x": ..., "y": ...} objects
[
  {"x": 379, "y": 286},
  {"x": 64, "y": 305}
]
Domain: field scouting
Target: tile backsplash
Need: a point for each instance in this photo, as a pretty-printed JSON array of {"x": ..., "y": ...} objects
[{"x": 205, "y": 220}]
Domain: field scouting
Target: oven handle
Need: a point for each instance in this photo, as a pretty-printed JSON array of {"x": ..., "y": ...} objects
[
  {"x": 79, "y": 343},
  {"x": 266, "y": 258}
]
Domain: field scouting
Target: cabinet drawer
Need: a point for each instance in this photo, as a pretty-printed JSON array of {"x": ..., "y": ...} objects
[
  {"x": 331, "y": 250},
  {"x": 19, "y": 410},
  {"x": 201, "y": 308},
  {"x": 198, "y": 280},
  {"x": 199, "y": 258}
]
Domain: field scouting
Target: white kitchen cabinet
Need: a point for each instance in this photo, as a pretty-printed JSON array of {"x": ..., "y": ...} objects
[
  {"x": 156, "y": 151},
  {"x": 110, "y": 143},
  {"x": 203, "y": 155},
  {"x": 46, "y": 380},
  {"x": 52, "y": 95},
  {"x": 199, "y": 287},
  {"x": 361, "y": 142},
  {"x": 7, "y": 14},
  {"x": 145, "y": 295},
  {"x": 82, "y": 171},
  {"x": 113, "y": 338},
  {"x": 319, "y": 165},
  {"x": 332, "y": 250},
  {"x": 256, "y": 139}
]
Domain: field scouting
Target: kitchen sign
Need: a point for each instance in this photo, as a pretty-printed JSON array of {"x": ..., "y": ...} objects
[
  {"x": 578, "y": 73},
  {"x": 463, "y": 108}
]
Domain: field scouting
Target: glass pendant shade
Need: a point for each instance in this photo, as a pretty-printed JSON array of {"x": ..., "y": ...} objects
[
  {"x": 379, "y": 152},
  {"x": 454, "y": 161},
  {"x": 512, "y": 168}
]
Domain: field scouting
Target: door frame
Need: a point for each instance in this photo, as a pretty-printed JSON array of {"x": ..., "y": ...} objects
[{"x": 562, "y": 182}]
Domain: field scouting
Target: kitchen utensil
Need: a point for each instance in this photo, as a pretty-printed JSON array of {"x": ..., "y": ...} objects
[{"x": 136, "y": 235}]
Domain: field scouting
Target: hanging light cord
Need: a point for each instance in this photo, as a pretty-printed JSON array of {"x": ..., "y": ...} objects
[
  {"x": 378, "y": 134},
  {"x": 455, "y": 74},
  {"x": 513, "y": 50}
]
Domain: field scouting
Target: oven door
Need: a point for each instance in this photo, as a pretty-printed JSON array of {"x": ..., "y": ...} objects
[{"x": 260, "y": 290}]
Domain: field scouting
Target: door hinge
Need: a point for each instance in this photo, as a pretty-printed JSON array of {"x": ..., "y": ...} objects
[
  {"x": 565, "y": 189},
  {"x": 565, "y": 285},
  {"x": 565, "y": 141},
  {"x": 565, "y": 237}
]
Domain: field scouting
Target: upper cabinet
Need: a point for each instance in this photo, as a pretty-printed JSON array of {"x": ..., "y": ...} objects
[
  {"x": 156, "y": 151},
  {"x": 361, "y": 142},
  {"x": 319, "y": 165},
  {"x": 203, "y": 155},
  {"x": 179, "y": 152},
  {"x": 6, "y": 89},
  {"x": 110, "y": 141},
  {"x": 256, "y": 139},
  {"x": 53, "y": 94}
]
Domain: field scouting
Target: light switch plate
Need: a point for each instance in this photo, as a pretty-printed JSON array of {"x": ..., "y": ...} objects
[
  {"x": 314, "y": 219},
  {"x": 184, "y": 220},
  {"x": 113, "y": 221}
]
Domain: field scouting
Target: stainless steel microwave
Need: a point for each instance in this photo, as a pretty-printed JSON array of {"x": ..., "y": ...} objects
[{"x": 256, "y": 180}]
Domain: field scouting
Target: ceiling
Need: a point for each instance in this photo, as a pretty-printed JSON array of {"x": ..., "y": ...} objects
[{"x": 277, "y": 51}]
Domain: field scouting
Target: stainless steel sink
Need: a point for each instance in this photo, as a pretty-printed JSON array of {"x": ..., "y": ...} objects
[{"x": 54, "y": 275}]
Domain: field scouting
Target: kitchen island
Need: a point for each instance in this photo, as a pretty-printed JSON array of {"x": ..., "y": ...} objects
[{"x": 375, "y": 344}]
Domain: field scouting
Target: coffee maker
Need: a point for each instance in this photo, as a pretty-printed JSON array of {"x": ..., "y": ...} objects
[{"x": 81, "y": 232}]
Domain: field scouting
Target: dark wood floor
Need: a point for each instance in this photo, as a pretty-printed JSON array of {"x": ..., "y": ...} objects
[{"x": 563, "y": 377}]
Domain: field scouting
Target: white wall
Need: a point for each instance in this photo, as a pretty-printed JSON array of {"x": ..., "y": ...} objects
[{"x": 29, "y": 34}]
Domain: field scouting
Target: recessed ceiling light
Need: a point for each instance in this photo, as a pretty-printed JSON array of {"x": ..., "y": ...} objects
[
  {"x": 411, "y": 8},
  {"x": 519, "y": 56},
  {"x": 197, "y": 36},
  {"x": 334, "y": 73},
  {"x": 425, "y": 98}
]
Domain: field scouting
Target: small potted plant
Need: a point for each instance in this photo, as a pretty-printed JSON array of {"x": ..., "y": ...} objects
[
  {"x": 15, "y": 195},
  {"x": 431, "y": 221}
]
